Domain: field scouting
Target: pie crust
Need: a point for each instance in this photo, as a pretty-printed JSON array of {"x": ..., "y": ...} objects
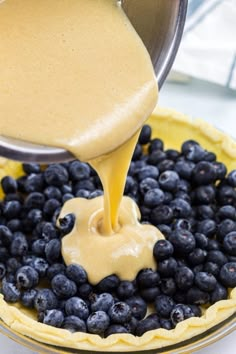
[{"x": 173, "y": 128}]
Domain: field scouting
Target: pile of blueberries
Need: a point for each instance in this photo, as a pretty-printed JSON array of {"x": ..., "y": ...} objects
[{"x": 188, "y": 195}]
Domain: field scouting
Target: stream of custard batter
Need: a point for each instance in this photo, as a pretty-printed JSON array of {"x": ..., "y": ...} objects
[{"x": 75, "y": 74}]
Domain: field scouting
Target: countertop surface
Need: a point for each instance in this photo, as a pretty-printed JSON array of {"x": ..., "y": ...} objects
[{"x": 201, "y": 100}]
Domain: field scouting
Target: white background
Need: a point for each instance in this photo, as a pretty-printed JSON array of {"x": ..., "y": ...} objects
[{"x": 198, "y": 99}]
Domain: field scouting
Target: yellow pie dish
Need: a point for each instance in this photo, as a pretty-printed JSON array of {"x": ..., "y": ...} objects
[{"x": 173, "y": 128}]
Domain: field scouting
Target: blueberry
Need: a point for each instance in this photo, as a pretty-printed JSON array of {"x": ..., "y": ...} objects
[
  {"x": 150, "y": 294},
  {"x": 145, "y": 134},
  {"x": 34, "y": 217},
  {"x": 167, "y": 267},
  {"x": 227, "y": 212},
  {"x": 79, "y": 170},
  {"x": 184, "y": 278},
  {"x": 168, "y": 286},
  {"x": 28, "y": 297},
  {"x": 187, "y": 145},
  {"x": 131, "y": 185},
  {"x": 44, "y": 300},
  {"x": 205, "y": 212},
  {"x": 82, "y": 193},
  {"x": 74, "y": 324},
  {"x": 164, "y": 229},
  {"x": 86, "y": 184},
  {"x": 210, "y": 156},
  {"x": 56, "y": 175},
  {"x": 166, "y": 324},
  {"x": 164, "y": 305},
  {"x": 53, "y": 318},
  {"x": 147, "y": 278},
  {"x": 4, "y": 254},
  {"x": 13, "y": 196},
  {"x": 211, "y": 268},
  {"x": 197, "y": 296},
  {"x": 131, "y": 325},
  {"x": 98, "y": 322},
  {"x": 14, "y": 225},
  {"x": 217, "y": 257},
  {"x": 41, "y": 266},
  {"x": 195, "y": 153},
  {"x": 154, "y": 197},
  {"x": 183, "y": 241},
  {"x": 115, "y": 329},
  {"x": 108, "y": 284},
  {"x": 172, "y": 154},
  {"x": 207, "y": 227},
  {"x": 52, "y": 192},
  {"x": 66, "y": 197},
  {"x": 31, "y": 168},
  {"x": 67, "y": 223},
  {"x": 180, "y": 208},
  {"x": 38, "y": 247},
  {"x": 77, "y": 307},
  {"x": 204, "y": 173},
  {"x": 184, "y": 169},
  {"x": 6, "y": 235},
  {"x": 11, "y": 209},
  {"x": 183, "y": 186},
  {"x": 53, "y": 250},
  {"x": 2, "y": 271},
  {"x": 205, "y": 281},
  {"x": 226, "y": 195},
  {"x": 34, "y": 183},
  {"x": 219, "y": 293},
  {"x": 9, "y": 185},
  {"x": 163, "y": 249},
  {"x": 162, "y": 214},
  {"x": 197, "y": 256},
  {"x": 155, "y": 157},
  {"x": 182, "y": 224},
  {"x": 49, "y": 231},
  {"x": 120, "y": 313},
  {"x": 137, "y": 152},
  {"x": 85, "y": 290},
  {"x": 66, "y": 188},
  {"x": 50, "y": 207},
  {"x": 34, "y": 200},
  {"x": 148, "y": 171},
  {"x": 148, "y": 324},
  {"x": 138, "y": 307},
  {"x": 224, "y": 228},
  {"x": 229, "y": 243},
  {"x": 55, "y": 269},
  {"x": 228, "y": 275},
  {"x": 27, "y": 277},
  {"x": 125, "y": 290},
  {"x": 155, "y": 144},
  {"x": 220, "y": 168},
  {"x": 196, "y": 310},
  {"x": 10, "y": 292},
  {"x": 168, "y": 197},
  {"x": 77, "y": 273},
  {"x": 63, "y": 287},
  {"x": 177, "y": 315},
  {"x": 19, "y": 245},
  {"x": 166, "y": 165},
  {"x": 168, "y": 180},
  {"x": 231, "y": 179},
  {"x": 101, "y": 302}
]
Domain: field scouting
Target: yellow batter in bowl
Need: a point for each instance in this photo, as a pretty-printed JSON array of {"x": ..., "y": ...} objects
[{"x": 173, "y": 128}]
